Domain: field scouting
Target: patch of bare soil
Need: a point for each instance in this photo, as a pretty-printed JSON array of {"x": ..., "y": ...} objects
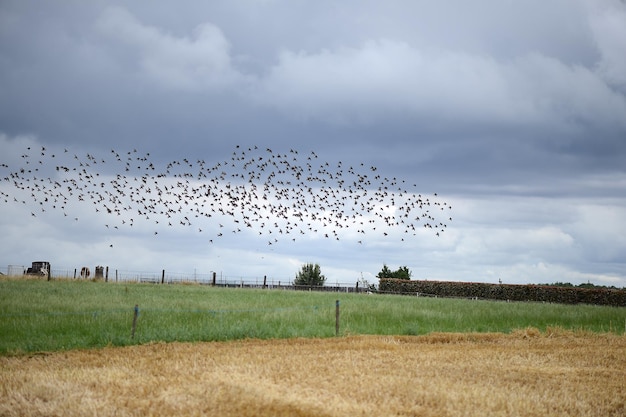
[{"x": 523, "y": 374}]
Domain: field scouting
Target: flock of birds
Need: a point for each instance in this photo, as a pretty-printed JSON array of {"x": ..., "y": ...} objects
[{"x": 278, "y": 196}]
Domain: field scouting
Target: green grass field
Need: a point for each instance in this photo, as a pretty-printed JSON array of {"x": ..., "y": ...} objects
[{"x": 37, "y": 315}]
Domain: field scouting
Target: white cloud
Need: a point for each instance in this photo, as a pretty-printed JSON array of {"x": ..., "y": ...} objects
[
  {"x": 380, "y": 79},
  {"x": 567, "y": 95},
  {"x": 607, "y": 20},
  {"x": 182, "y": 63},
  {"x": 523, "y": 245},
  {"x": 547, "y": 273},
  {"x": 601, "y": 230},
  {"x": 388, "y": 79}
]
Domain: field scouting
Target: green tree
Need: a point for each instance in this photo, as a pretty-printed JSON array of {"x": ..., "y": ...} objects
[
  {"x": 385, "y": 272},
  {"x": 401, "y": 273},
  {"x": 310, "y": 274}
]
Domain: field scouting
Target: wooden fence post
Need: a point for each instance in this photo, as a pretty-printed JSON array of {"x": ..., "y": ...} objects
[
  {"x": 162, "y": 276},
  {"x": 132, "y": 334},
  {"x": 264, "y": 281},
  {"x": 337, "y": 318}
]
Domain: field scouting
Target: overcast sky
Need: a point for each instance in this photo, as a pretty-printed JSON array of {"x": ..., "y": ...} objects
[{"x": 513, "y": 112}]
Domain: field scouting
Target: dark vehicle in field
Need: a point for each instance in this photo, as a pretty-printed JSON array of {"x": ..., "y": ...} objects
[{"x": 41, "y": 268}]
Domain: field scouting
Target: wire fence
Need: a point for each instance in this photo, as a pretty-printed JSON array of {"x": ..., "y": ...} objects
[{"x": 167, "y": 277}]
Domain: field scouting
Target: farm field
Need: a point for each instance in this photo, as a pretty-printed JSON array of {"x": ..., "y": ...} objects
[
  {"x": 37, "y": 315},
  {"x": 67, "y": 348},
  {"x": 524, "y": 373}
]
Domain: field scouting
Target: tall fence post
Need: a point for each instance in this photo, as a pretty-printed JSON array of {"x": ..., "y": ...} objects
[
  {"x": 163, "y": 276},
  {"x": 213, "y": 281},
  {"x": 135, "y": 315},
  {"x": 264, "y": 281},
  {"x": 337, "y": 318},
  {"x": 106, "y": 274}
]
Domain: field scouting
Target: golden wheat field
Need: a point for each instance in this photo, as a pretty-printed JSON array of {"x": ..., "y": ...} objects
[{"x": 526, "y": 373}]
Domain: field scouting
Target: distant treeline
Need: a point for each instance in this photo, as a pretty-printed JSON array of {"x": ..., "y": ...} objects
[{"x": 588, "y": 285}]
